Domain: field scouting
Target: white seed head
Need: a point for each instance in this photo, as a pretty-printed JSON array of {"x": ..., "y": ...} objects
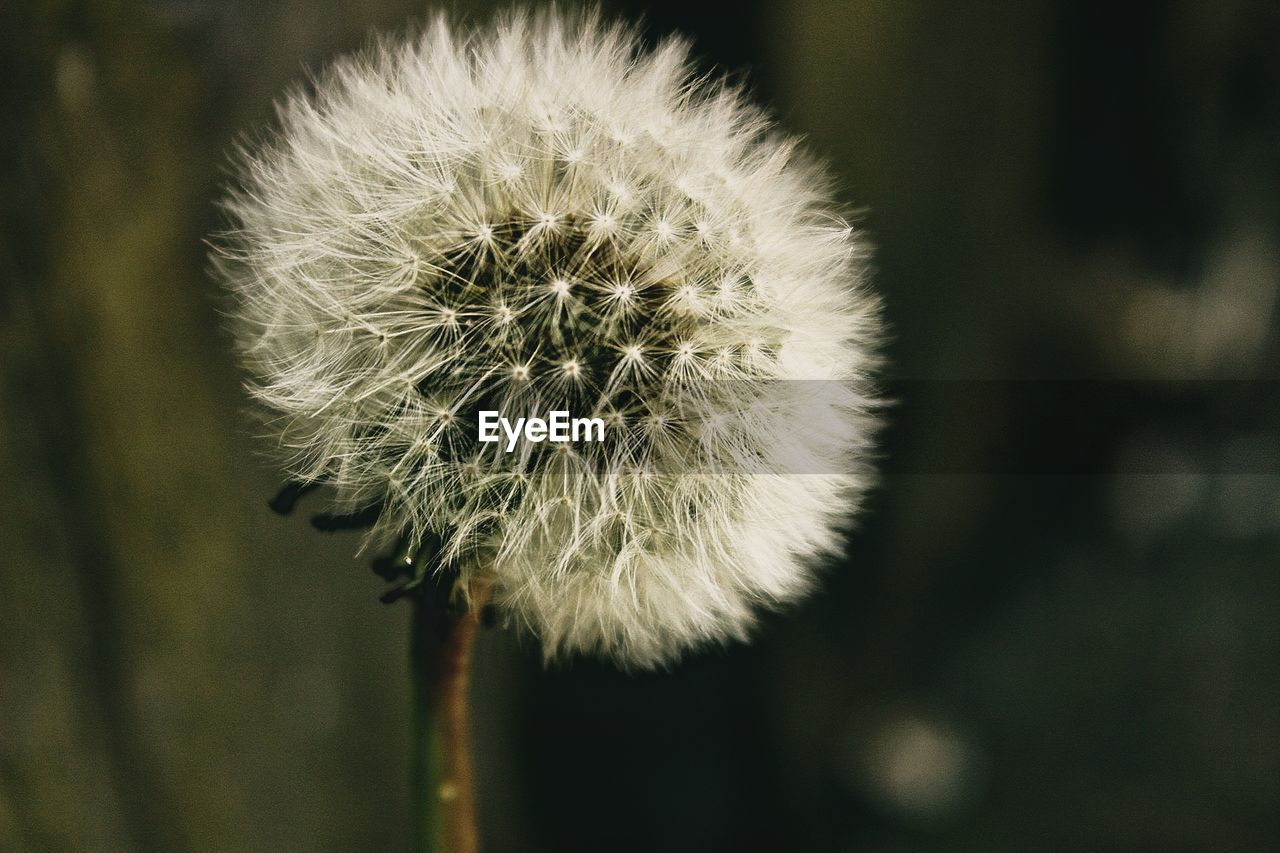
[{"x": 538, "y": 215}]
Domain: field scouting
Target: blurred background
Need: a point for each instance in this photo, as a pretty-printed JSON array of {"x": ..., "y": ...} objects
[{"x": 1056, "y": 627}]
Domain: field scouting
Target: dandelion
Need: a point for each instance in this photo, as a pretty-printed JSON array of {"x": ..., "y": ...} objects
[
  {"x": 541, "y": 213},
  {"x": 537, "y": 212}
]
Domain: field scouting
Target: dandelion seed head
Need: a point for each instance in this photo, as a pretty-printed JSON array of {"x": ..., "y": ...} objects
[{"x": 542, "y": 211}]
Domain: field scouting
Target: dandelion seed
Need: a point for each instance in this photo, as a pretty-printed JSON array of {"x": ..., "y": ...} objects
[{"x": 489, "y": 219}]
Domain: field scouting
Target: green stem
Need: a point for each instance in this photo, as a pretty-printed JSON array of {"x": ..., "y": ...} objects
[
  {"x": 428, "y": 746},
  {"x": 442, "y": 776}
]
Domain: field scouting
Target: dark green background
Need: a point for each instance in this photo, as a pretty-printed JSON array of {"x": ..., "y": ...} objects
[{"x": 1056, "y": 627}]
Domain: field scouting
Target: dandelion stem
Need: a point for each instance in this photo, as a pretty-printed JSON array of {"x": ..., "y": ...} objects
[{"x": 443, "y": 780}]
